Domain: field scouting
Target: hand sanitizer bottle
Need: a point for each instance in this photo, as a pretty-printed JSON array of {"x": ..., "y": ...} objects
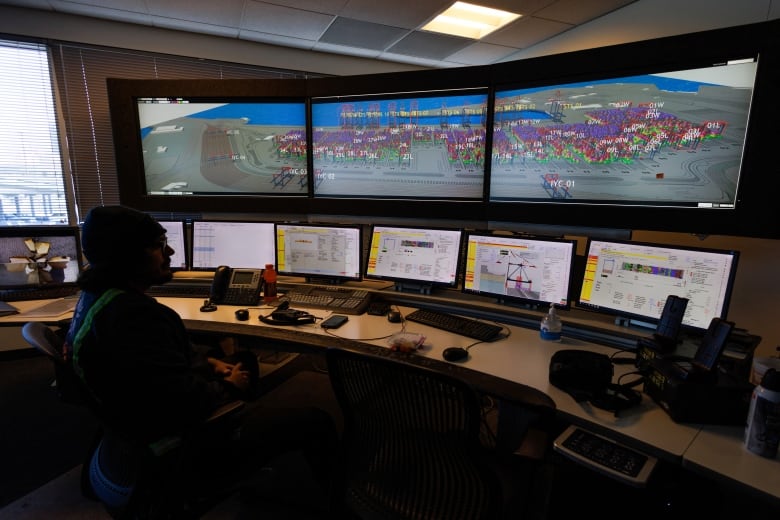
[{"x": 550, "y": 328}]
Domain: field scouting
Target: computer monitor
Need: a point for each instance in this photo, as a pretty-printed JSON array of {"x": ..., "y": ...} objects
[
  {"x": 36, "y": 256},
  {"x": 176, "y": 235},
  {"x": 534, "y": 271},
  {"x": 319, "y": 252},
  {"x": 232, "y": 243},
  {"x": 633, "y": 279},
  {"x": 415, "y": 257}
]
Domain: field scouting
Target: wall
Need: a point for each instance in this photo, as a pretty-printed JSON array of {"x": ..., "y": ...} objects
[{"x": 758, "y": 282}]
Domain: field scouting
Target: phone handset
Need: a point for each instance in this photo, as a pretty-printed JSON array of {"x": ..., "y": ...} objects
[
  {"x": 218, "y": 288},
  {"x": 220, "y": 284}
]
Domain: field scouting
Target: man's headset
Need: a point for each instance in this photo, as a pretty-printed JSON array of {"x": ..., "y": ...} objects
[{"x": 284, "y": 315}]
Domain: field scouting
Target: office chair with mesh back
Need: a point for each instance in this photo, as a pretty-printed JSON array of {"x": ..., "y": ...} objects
[
  {"x": 133, "y": 479},
  {"x": 411, "y": 444}
]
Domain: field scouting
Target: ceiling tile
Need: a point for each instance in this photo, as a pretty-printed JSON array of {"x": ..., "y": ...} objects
[
  {"x": 525, "y": 32},
  {"x": 345, "y": 31},
  {"x": 224, "y": 12},
  {"x": 577, "y": 11},
  {"x": 408, "y": 14},
  {"x": 119, "y": 15},
  {"x": 274, "y": 19},
  {"x": 480, "y": 54},
  {"x": 317, "y": 6},
  {"x": 429, "y": 45}
]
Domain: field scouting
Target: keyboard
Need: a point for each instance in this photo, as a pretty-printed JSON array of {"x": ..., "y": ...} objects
[
  {"x": 456, "y": 324},
  {"x": 38, "y": 293},
  {"x": 606, "y": 456},
  {"x": 174, "y": 290},
  {"x": 336, "y": 299}
]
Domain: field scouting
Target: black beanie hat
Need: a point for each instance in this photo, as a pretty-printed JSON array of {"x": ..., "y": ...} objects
[{"x": 115, "y": 236}]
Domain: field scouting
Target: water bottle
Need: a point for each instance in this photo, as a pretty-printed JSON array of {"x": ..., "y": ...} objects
[
  {"x": 550, "y": 328},
  {"x": 763, "y": 422},
  {"x": 269, "y": 283}
]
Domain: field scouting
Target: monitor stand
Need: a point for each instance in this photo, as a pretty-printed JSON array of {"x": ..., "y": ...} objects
[
  {"x": 630, "y": 322},
  {"x": 323, "y": 280},
  {"x": 422, "y": 288},
  {"x": 508, "y": 303}
]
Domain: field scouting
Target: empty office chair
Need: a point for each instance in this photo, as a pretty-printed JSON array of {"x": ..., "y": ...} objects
[
  {"x": 411, "y": 445},
  {"x": 133, "y": 479}
]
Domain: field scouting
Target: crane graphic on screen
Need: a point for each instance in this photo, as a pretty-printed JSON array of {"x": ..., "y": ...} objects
[{"x": 517, "y": 276}]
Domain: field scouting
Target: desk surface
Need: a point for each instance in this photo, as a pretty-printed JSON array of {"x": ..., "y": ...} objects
[{"x": 505, "y": 366}]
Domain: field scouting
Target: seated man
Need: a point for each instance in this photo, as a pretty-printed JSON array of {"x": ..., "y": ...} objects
[{"x": 135, "y": 355}]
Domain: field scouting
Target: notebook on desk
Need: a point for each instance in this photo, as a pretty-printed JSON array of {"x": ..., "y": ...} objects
[{"x": 39, "y": 262}]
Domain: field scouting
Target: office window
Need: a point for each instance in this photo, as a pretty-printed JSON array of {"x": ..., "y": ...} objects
[{"x": 32, "y": 187}]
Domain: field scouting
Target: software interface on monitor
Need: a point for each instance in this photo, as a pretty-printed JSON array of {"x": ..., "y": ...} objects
[
  {"x": 234, "y": 244},
  {"x": 519, "y": 268},
  {"x": 414, "y": 254},
  {"x": 320, "y": 251},
  {"x": 636, "y": 279},
  {"x": 174, "y": 234}
]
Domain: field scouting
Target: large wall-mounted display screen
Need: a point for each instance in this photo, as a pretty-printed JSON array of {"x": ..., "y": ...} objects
[
  {"x": 409, "y": 146},
  {"x": 196, "y": 146},
  {"x": 672, "y": 138}
]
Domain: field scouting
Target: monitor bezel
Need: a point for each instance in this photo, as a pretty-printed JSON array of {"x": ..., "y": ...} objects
[
  {"x": 755, "y": 206},
  {"x": 423, "y": 284},
  {"x": 645, "y": 320},
  {"x": 123, "y": 95},
  {"x": 517, "y": 300},
  {"x": 320, "y": 277}
]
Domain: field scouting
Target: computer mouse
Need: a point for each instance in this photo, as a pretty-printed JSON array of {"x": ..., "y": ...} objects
[
  {"x": 242, "y": 314},
  {"x": 393, "y": 316},
  {"x": 455, "y": 353}
]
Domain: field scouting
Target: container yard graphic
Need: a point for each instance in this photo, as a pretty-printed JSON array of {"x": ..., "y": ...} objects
[
  {"x": 673, "y": 139},
  {"x": 426, "y": 147},
  {"x": 253, "y": 148}
]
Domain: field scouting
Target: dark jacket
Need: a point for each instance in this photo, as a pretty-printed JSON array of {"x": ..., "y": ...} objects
[{"x": 138, "y": 361}]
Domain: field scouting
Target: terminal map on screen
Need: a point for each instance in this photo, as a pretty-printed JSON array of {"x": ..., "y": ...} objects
[
  {"x": 415, "y": 255},
  {"x": 519, "y": 269},
  {"x": 405, "y": 146},
  {"x": 211, "y": 147},
  {"x": 330, "y": 252},
  {"x": 674, "y": 138},
  {"x": 247, "y": 245},
  {"x": 634, "y": 279}
]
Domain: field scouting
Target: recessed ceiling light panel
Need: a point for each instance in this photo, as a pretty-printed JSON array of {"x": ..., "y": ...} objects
[{"x": 470, "y": 21}]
